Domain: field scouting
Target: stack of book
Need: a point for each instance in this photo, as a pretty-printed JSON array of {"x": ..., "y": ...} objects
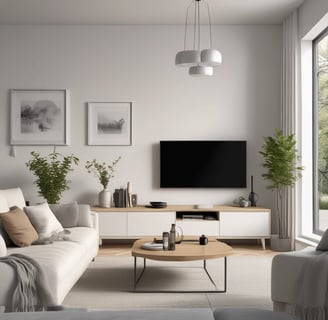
[{"x": 122, "y": 197}]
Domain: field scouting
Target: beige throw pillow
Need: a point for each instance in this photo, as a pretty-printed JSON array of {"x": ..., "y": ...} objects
[{"x": 19, "y": 227}]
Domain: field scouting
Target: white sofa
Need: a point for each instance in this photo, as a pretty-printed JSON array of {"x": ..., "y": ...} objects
[{"x": 63, "y": 262}]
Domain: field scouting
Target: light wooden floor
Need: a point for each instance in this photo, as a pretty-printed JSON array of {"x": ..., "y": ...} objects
[{"x": 114, "y": 248}]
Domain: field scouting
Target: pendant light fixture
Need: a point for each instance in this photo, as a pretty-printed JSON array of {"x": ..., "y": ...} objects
[{"x": 200, "y": 62}]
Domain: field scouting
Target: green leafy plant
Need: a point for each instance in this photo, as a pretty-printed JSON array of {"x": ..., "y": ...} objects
[
  {"x": 51, "y": 172},
  {"x": 104, "y": 172},
  {"x": 282, "y": 170}
]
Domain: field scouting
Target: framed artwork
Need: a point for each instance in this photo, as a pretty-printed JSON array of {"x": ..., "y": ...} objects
[
  {"x": 110, "y": 123},
  {"x": 39, "y": 117}
]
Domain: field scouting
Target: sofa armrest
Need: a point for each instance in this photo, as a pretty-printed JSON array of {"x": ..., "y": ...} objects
[
  {"x": 95, "y": 220},
  {"x": 286, "y": 273},
  {"x": 87, "y": 218},
  {"x": 8, "y": 281}
]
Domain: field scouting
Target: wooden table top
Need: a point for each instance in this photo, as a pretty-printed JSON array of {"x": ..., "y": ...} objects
[{"x": 185, "y": 251}]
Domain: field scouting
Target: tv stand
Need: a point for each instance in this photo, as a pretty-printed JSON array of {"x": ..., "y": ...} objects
[{"x": 223, "y": 222}]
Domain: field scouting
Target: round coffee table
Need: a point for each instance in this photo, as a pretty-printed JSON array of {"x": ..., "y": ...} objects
[{"x": 188, "y": 250}]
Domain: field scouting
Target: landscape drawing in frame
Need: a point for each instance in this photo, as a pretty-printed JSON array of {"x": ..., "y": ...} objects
[
  {"x": 39, "y": 117},
  {"x": 110, "y": 123}
]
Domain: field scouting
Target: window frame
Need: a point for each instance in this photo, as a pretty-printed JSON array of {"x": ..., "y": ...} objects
[{"x": 315, "y": 131}]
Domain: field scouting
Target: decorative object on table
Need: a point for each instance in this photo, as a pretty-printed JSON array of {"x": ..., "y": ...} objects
[
  {"x": 200, "y": 62},
  {"x": 253, "y": 197},
  {"x": 121, "y": 198},
  {"x": 241, "y": 202},
  {"x": 178, "y": 234},
  {"x": 129, "y": 194},
  {"x": 203, "y": 240},
  {"x": 158, "y": 204},
  {"x": 282, "y": 170},
  {"x": 134, "y": 200},
  {"x": 39, "y": 117},
  {"x": 51, "y": 172},
  {"x": 104, "y": 198},
  {"x": 172, "y": 235},
  {"x": 110, "y": 123},
  {"x": 104, "y": 172},
  {"x": 165, "y": 241},
  {"x": 152, "y": 246}
]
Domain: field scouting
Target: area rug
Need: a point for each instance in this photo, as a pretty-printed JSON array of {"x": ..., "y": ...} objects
[{"x": 108, "y": 284}]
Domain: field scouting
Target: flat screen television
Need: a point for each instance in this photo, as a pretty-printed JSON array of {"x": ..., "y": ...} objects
[{"x": 203, "y": 164}]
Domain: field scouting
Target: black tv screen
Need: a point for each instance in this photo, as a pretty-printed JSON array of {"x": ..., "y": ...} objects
[{"x": 202, "y": 164}]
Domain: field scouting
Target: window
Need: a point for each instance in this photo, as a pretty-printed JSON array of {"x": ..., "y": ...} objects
[{"x": 320, "y": 136}]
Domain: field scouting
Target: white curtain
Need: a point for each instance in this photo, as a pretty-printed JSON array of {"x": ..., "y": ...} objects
[{"x": 289, "y": 95}]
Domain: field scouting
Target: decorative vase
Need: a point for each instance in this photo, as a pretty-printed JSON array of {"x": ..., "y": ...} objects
[{"x": 104, "y": 198}]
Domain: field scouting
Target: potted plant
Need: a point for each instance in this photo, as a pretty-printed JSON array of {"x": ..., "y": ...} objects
[
  {"x": 51, "y": 172},
  {"x": 104, "y": 172},
  {"x": 282, "y": 170}
]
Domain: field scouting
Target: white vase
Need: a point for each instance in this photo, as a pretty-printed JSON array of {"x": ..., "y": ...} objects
[{"x": 104, "y": 198}]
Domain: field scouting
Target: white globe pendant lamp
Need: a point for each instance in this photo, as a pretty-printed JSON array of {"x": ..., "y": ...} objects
[
  {"x": 188, "y": 58},
  {"x": 211, "y": 57},
  {"x": 200, "y": 62},
  {"x": 200, "y": 71}
]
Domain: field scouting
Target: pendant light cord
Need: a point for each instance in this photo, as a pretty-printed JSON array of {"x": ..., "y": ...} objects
[
  {"x": 209, "y": 23},
  {"x": 197, "y": 24},
  {"x": 186, "y": 25}
]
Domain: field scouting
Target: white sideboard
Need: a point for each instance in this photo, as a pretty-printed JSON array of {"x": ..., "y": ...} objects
[{"x": 223, "y": 222}]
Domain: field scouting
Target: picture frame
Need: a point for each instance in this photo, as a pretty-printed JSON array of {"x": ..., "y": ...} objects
[
  {"x": 110, "y": 123},
  {"x": 39, "y": 117}
]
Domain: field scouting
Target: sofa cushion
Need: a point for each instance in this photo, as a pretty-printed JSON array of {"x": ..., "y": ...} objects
[
  {"x": 3, "y": 247},
  {"x": 67, "y": 214},
  {"x": 84, "y": 218},
  {"x": 14, "y": 197},
  {"x": 19, "y": 227},
  {"x": 3, "y": 204},
  {"x": 43, "y": 220},
  {"x": 323, "y": 244},
  {"x": 4, "y": 235}
]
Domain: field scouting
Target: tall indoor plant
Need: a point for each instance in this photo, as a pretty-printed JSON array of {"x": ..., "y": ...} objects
[
  {"x": 51, "y": 172},
  {"x": 282, "y": 170}
]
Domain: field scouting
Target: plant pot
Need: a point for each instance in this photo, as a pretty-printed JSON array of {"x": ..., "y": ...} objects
[
  {"x": 104, "y": 198},
  {"x": 278, "y": 244}
]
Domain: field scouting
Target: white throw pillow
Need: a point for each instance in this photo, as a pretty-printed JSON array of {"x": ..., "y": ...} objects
[
  {"x": 323, "y": 244},
  {"x": 3, "y": 247},
  {"x": 3, "y": 204},
  {"x": 43, "y": 220}
]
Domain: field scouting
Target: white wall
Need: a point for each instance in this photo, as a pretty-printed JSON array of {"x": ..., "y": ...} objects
[
  {"x": 136, "y": 63},
  {"x": 313, "y": 16}
]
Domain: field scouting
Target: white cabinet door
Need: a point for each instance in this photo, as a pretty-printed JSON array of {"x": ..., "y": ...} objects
[
  {"x": 244, "y": 224},
  {"x": 199, "y": 227},
  {"x": 113, "y": 224},
  {"x": 149, "y": 223}
]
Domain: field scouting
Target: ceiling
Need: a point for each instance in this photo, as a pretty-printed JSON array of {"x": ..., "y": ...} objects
[{"x": 104, "y": 12}]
